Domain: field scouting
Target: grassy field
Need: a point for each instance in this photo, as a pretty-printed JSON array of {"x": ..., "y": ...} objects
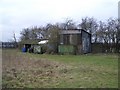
[{"x": 25, "y": 70}]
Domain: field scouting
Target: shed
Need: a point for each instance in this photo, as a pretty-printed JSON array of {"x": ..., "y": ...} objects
[
  {"x": 34, "y": 46},
  {"x": 74, "y": 41},
  {"x": 31, "y": 46}
]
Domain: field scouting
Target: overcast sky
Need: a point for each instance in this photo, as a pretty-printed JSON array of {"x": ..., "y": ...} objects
[{"x": 18, "y": 14}]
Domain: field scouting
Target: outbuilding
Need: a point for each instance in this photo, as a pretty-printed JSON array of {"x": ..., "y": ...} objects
[{"x": 74, "y": 41}]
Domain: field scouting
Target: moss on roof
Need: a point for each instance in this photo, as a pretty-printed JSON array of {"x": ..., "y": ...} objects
[{"x": 29, "y": 42}]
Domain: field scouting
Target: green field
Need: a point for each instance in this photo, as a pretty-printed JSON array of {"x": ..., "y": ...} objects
[{"x": 25, "y": 70}]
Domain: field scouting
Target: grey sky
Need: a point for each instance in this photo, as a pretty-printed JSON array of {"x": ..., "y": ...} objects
[{"x": 18, "y": 14}]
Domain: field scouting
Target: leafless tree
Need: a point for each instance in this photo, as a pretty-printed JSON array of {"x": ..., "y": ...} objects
[{"x": 91, "y": 26}]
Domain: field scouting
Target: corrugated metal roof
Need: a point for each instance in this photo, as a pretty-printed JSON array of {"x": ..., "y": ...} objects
[
  {"x": 70, "y": 32},
  {"x": 43, "y": 42}
]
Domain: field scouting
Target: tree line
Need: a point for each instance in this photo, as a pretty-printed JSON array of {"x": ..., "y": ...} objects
[{"x": 107, "y": 33}]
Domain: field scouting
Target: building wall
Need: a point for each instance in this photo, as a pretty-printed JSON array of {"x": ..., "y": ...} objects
[
  {"x": 70, "y": 39},
  {"x": 66, "y": 49},
  {"x": 86, "y": 42}
]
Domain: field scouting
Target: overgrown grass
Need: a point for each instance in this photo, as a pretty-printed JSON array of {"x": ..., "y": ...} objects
[{"x": 59, "y": 71}]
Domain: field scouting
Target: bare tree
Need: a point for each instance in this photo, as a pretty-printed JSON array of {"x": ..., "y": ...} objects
[
  {"x": 91, "y": 26},
  {"x": 101, "y": 32},
  {"x": 15, "y": 40},
  {"x": 68, "y": 24},
  {"x": 14, "y": 36},
  {"x": 25, "y": 33}
]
